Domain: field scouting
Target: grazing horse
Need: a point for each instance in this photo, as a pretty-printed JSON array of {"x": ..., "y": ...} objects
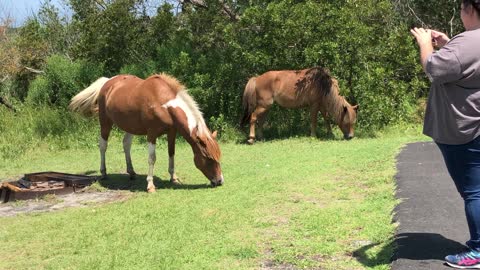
[
  {"x": 155, "y": 106},
  {"x": 314, "y": 88}
]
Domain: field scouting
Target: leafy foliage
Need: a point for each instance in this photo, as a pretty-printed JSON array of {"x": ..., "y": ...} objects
[
  {"x": 61, "y": 81},
  {"x": 440, "y": 15},
  {"x": 214, "y": 47}
]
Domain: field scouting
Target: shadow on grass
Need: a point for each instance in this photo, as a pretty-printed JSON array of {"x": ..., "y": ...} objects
[
  {"x": 275, "y": 133},
  {"x": 410, "y": 246},
  {"x": 90, "y": 172},
  {"x": 286, "y": 126},
  {"x": 139, "y": 183}
]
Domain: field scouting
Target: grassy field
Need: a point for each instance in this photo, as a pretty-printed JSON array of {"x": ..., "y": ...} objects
[{"x": 299, "y": 203}]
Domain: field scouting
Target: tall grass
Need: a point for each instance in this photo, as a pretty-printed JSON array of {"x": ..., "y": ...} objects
[
  {"x": 55, "y": 128},
  {"x": 43, "y": 127}
]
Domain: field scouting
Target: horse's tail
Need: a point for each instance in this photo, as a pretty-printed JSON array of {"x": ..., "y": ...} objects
[
  {"x": 85, "y": 102},
  {"x": 249, "y": 100}
]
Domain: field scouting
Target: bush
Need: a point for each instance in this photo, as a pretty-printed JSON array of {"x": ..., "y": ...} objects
[
  {"x": 366, "y": 45},
  {"x": 88, "y": 73},
  {"x": 225, "y": 131},
  {"x": 43, "y": 126},
  {"x": 62, "y": 80},
  {"x": 40, "y": 91},
  {"x": 143, "y": 70}
]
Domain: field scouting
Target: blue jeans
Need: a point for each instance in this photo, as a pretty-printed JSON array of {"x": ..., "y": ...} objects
[{"x": 463, "y": 164}]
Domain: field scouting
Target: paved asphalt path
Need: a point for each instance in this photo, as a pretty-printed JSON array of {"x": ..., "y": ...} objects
[{"x": 431, "y": 218}]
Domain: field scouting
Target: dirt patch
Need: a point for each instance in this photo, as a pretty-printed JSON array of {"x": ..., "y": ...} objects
[{"x": 51, "y": 203}]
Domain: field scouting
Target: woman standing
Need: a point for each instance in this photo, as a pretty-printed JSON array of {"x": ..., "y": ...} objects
[{"x": 452, "y": 117}]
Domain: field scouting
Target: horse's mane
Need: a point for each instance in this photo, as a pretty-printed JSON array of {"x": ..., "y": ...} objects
[
  {"x": 335, "y": 103},
  {"x": 208, "y": 146},
  {"x": 322, "y": 81},
  {"x": 172, "y": 82}
]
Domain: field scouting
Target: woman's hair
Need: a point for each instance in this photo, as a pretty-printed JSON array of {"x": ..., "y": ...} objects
[{"x": 474, "y": 3}]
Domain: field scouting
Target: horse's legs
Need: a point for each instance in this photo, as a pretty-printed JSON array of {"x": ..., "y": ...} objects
[
  {"x": 105, "y": 128},
  {"x": 171, "y": 136},
  {"x": 151, "y": 162},
  {"x": 102, "y": 145},
  {"x": 127, "y": 145},
  {"x": 313, "y": 120},
  {"x": 261, "y": 116},
  {"x": 253, "y": 119},
  {"x": 327, "y": 122},
  {"x": 251, "y": 134}
]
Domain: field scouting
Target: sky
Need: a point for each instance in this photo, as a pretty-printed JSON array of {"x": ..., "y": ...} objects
[{"x": 20, "y": 10}]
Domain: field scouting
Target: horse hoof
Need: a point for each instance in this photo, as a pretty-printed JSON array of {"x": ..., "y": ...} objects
[
  {"x": 250, "y": 141},
  {"x": 176, "y": 182},
  {"x": 151, "y": 190}
]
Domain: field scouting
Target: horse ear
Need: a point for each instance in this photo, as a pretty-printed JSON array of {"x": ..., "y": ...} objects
[
  {"x": 356, "y": 107},
  {"x": 214, "y": 134}
]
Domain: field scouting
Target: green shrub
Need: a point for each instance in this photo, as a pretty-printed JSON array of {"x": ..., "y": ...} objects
[
  {"x": 88, "y": 73},
  {"x": 34, "y": 126},
  {"x": 62, "y": 80},
  {"x": 225, "y": 131},
  {"x": 50, "y": 122},
  {"x": 40, "y": 91},
  {"x": 143, "y": 70},
  {"x": 366, "y": 45}
]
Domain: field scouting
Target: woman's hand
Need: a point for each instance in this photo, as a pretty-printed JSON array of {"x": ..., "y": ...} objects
[
  {"x": 439, "y": 38},
  {"x": 423, "y": 36},
  {"x": 424, "y": 40}
]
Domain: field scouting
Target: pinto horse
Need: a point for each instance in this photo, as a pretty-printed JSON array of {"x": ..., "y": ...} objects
[
  {"x": 314, "y": 88},
  {"x": 155, "y": 106}
]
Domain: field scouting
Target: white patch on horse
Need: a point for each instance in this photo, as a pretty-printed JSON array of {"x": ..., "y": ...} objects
[
  {"x": 102, "y": 144},
  {"x": 151, "y": 153},
  {"x": 190, "y": 108}
]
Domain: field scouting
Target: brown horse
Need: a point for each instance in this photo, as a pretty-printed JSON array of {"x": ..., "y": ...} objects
[
  {"x": 155, "y": 106},
  {"x": 314, "y": 88}
]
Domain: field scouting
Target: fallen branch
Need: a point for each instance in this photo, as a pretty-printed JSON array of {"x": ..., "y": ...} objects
[
  {"x": 6, "y": 104},
  {"x": 36, "y": 71}
]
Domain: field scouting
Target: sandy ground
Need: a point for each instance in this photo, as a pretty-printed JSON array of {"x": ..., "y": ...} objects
[{"x": 55, "y": 202}]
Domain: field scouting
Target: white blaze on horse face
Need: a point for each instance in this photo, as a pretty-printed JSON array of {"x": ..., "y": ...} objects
[{"x": 178, "y": 102}]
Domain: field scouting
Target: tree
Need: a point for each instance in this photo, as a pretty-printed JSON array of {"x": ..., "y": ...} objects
[
  {"x": 57, "y": 30},
  {"x": 110, "y": 32},
  {"x": 32, "y": 50},
  {"x": 440, "y": 15},
  {"x": 215, "y": 46}
]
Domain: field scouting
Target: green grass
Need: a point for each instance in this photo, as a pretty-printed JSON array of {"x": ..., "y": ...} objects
[{"x": 299, "y": 202}]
